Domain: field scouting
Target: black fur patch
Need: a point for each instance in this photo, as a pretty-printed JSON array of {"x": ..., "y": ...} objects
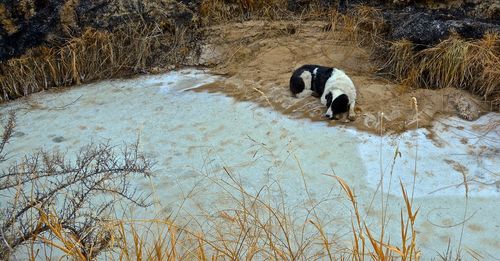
[
  {"x": 296, "y": 85},
  {"x": 329, "y": 98},
  {"x": 319, "y": 80},
  {"x": 340, "y": 104}
]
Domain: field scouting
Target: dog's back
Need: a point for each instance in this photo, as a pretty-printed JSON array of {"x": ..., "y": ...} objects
[
  {"x": 309, "y": 77},
  {"x": 340, "y": 81},
  {"x": 320, "y": 76}
]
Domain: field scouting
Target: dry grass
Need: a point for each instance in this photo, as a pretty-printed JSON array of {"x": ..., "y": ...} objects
[
  {"x": 93, "y": 55},
  {"x": 254, "y": 226},
  {"x": 254, "y": 229},
  {"x": 473, "y": 65},
  {"x": 362, "y": 25},
  {"x": 216, "y": 11},
  {"x": 465, "y": 64}
]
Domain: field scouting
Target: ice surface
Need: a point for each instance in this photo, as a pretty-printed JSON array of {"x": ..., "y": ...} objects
[{"x": 196, "y": 138}]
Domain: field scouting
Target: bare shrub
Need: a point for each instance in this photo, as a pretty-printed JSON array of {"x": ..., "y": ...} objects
[
  {"x": 50, "y": 194},
  {"x": 8, "y": 129}
]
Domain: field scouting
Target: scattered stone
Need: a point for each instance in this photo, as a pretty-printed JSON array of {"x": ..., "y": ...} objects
[
  {"x": 58, "y": 139},
  {"x": 466, "y": 107},
  {"x": 18, "y": 134},
  {"x": 211, "y": 55}
]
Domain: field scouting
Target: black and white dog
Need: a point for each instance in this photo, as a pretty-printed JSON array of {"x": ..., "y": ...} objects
[{"x": 336, "y": 89}]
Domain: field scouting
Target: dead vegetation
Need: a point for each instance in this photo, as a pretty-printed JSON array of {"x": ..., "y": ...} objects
[
  {"x": 465, "y": 64},
  {"x": 254, "y": 228},
  {"x": 217, "y": 11},
  {"x": 92, "y": 56},
  {"x": 63, "y": 202},
  {"x": 471, "y": 65}
]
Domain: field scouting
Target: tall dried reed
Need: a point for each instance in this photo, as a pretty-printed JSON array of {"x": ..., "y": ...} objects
[
  {"x": 93, "y": 55},
  {"x": 473, "y": 65}
]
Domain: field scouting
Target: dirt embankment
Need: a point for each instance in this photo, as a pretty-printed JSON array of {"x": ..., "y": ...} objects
[
  {"x": 26, "y": 24},
  {"x": 258, "y": 58},
  {"x": 88, "y": 40}
]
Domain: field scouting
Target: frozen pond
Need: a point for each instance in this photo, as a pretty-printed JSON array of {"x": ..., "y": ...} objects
[{"x": 196, "y": 137}]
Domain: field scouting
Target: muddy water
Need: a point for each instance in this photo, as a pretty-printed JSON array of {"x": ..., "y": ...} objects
[{"x": 198, "y": 138}]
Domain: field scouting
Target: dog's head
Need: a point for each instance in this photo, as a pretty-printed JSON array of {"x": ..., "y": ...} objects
[{"x": 336, "y": 103}]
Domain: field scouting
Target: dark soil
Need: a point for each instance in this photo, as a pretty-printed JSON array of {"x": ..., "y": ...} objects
[
  {"x": 21, "y": 29},
  {"x": 31, "y": 23}
]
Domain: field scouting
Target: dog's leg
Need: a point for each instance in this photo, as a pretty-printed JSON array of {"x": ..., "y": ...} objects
[
  {"x": 352, "y": 114},
  {"x": 342, "y": 117}
]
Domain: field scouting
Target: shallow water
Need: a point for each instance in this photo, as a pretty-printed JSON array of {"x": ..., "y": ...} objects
[{"x": 196, "y": 137}]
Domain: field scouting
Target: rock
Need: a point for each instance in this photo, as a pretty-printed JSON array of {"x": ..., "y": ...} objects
[
  {"x": 428, "y": 28},
  {"x": 466, "y": 107},
  {"x": 210, "y": 55}
]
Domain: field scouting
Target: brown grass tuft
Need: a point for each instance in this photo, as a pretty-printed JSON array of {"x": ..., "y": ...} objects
[
  {"x": 400, "y": 60},
  {"x": 93, "y": 55},
  {"x": 216, "y": 11},
  {"x": 362, "y": 25},
  {"x": 473, "y": 65}
]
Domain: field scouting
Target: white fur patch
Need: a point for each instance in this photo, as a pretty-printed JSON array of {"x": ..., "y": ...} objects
[
  {"x": 329, "y": 112},
  {"x": 339, "y": 83},
  {"x": 304, "y": 94},
  {"x": 307, "y": 79}
]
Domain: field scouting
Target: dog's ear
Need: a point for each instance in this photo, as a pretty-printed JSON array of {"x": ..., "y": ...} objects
[
  {"x": 329, "y": 71},
  {"x": 329, "y": 99},
  {"x": 341, "y": 103}
]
